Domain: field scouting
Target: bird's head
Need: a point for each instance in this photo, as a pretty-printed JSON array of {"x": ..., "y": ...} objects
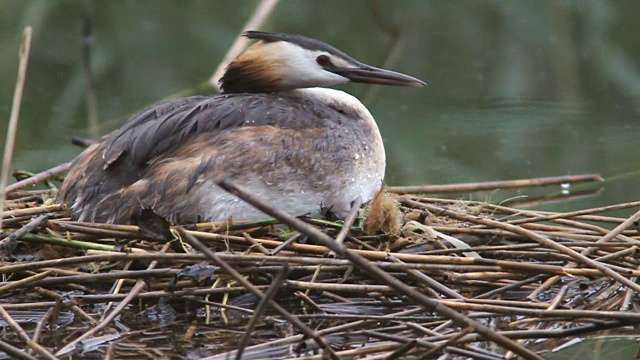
[{"x": 280, "y": 62}]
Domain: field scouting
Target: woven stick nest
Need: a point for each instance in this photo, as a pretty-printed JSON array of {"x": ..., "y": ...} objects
[{"x": 409, "y": 276}]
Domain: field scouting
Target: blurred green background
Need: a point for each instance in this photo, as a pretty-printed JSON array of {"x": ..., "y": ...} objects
[{"x": 517, "y": 89}]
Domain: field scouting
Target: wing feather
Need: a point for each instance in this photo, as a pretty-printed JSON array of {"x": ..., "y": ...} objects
[
  {"x": 167, "y": 125},
  {"x": 161, "y": 130}
]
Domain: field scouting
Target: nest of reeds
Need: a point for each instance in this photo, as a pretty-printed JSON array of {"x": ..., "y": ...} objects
[{"x": 409, "y": 276}]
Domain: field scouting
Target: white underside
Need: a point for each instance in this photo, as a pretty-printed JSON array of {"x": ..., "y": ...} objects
[{"x": 294, "y": 200}]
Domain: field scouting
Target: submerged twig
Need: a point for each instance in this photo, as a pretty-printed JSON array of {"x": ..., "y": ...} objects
[
  {"x": 222, "y": 264},
  {"x": 140, "y": 284},
  {"x": 42, "y": 352}
]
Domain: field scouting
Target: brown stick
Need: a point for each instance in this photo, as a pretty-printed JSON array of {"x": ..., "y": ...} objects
[
  {"x": 41, "y": 176},
  {"x": 615, "y": 232},
  {"x": 8, "y": 244},
  {"x": 349, "y": 220},
  {"x": 276, "y": 284},
  {"x": 490, "y": 185},
  {"x": 34, "y": 211},
  {"x": 412, "y": 261},
  {"x": 577, "y": 213},
  {"x": 431, "y": 283},
  {"x": 24, "y": 282},
  {"x": 14, "y": 352}
]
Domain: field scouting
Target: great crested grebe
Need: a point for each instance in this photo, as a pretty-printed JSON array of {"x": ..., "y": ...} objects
[{"x": 305, "y": 149}]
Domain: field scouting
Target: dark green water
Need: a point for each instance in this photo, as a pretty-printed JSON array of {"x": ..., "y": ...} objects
[{"x": 517, "y": 89}]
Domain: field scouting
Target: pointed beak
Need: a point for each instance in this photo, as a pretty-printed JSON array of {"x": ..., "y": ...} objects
[{"x": 373, "y": 75}]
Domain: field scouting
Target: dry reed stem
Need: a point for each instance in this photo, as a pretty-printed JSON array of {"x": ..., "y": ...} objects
[
  {"x": 34, "y": 211},
  {"x": 323, "y": 332},
  {"x": 24, "y": 282},
  {"x": 8, "y": 244},
  {"x": 608, "y": 237},
  {"x": 257, "y": 245},
  {"x": 579, "y": 214},
  {"x": 39, "y": 177},
  {"x": 92, "y": 278},
  {"x": 564, "y": 220},
  {"x": 616, "y": 232},
  {"x": 12, "y": 130},
  {"x": 353, "y": 213},
  {"x": 60, "y": 300},
  {"x": 43, "y": 321},
  {"x": 418, "y": 262},
  {"x": 428, "y": 281},
  {"x": 491, "y": 185},
  {"x": 15, "y": 352}
]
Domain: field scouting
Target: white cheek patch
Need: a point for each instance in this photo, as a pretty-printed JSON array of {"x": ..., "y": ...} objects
[{"x": 298, "y": 66}]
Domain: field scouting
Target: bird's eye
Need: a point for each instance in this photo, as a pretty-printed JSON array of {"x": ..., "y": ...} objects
[{"x": 323, "y": 60}]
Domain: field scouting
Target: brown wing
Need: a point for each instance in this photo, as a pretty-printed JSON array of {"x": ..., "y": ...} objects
[{"x": 165, "y": 126}]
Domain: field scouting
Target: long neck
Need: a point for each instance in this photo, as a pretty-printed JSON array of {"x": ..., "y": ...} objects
[
  {"x": 354, "y": 121},
  {"x": 342, "y": 102}
]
